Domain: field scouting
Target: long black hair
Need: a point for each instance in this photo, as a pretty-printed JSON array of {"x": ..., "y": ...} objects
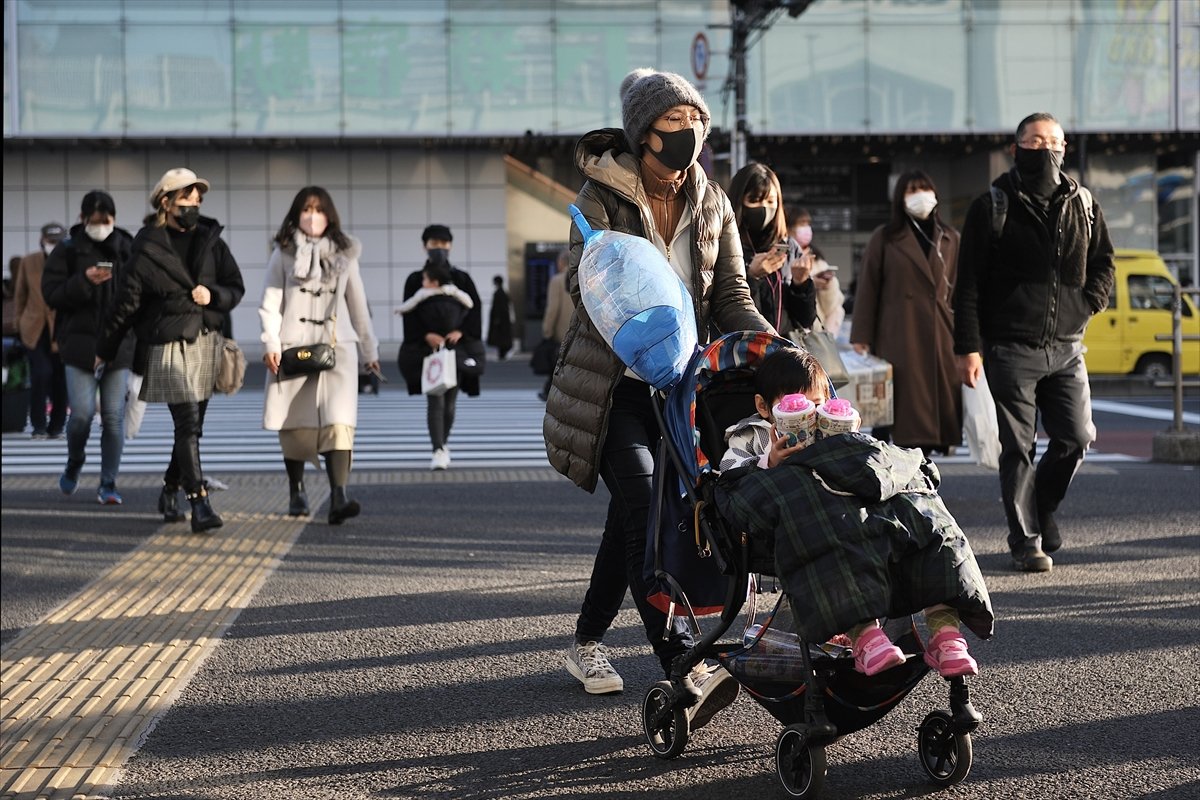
[
  {"x": 291, "y": 223},
  {"x": 97, "y": 201},
  {"x": 755, "y": 181},
  {"x": 913, "y": 179}
]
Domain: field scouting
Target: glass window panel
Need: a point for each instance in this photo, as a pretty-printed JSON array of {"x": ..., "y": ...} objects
[
  {"x": 1123, "y": 184},
  {"x": 8, "y": 121},
  {"x": 69, "y": 11},
  {"x": 1124, "y": 77},
  {"x": 1176, "y": 199},
  {"x": 676, "y": 56},
  {"x": 177, "y": 78},
  {"x": 174, "y": 12},
  {"x": 1151, "y": 293},
  {"x": 591, "y": 61},
  {"x": 413, "y": 12},
  {"x": 293, "y": 12},
  {"x": 1015, "y": 70},
  {"x": 992, "y": 12},
  {"x": 906, "y": 94},
  {"x": 70, "y": 79},
  {"x": 501, "y": 12},
  {"x": 1189, "y": 77},
  {"x": 394, "y": 79},
  {"x": 287, "y": 79},
  {"x": 501, "y": 78},
  {"x": 632, "y": 14},
  {"x": 812, "y": 79}
]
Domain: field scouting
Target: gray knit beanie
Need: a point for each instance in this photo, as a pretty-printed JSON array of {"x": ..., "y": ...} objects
[{"x": 647, "y": 94}]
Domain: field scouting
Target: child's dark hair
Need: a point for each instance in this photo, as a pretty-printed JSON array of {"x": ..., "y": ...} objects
[
  {"x": 789, "y": 370},
  {"x": 438, "y": 272}
]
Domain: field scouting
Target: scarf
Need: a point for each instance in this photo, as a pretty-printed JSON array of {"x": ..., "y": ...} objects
[{"x": 316, "y": 258}]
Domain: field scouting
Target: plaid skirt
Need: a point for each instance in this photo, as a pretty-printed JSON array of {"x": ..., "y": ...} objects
[{"x": 182, "y": 372}]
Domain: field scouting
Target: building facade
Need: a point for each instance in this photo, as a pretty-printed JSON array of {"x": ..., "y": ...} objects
[{"x": 465, "y": 112}]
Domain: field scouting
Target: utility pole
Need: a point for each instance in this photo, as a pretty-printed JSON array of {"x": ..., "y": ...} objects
[{"x": 749, "y": 18}]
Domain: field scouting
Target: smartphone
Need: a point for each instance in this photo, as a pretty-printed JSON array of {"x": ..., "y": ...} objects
[
  {"x": 782, "y": 247},
  {"x": 378, "y": 374},
  {"x": 104, "y": 265}
]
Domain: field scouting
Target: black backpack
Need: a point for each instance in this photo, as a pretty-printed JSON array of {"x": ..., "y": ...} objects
[{"x": 1000, "y": 211}]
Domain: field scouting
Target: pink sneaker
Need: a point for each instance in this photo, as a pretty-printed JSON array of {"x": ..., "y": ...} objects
[
  {"x": 874, "y": 652},
  {"x": 947, "y": 653}
]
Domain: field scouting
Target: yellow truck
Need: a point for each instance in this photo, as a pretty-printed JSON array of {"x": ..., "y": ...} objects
[{"x": 1121, "y": 338}]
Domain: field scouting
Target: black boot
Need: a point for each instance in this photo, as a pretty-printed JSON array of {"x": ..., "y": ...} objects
[
  {"x": 298, "y": 500},
  {"x": 204, "y": 518},
  {"x": 341, "y": 507},
  {"x": 168, "y": 504}
]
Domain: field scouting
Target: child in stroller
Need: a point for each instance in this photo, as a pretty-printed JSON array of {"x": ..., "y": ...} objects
[
  {"x": 854, "y": 531},
  {"x": 754, "y": 442}
]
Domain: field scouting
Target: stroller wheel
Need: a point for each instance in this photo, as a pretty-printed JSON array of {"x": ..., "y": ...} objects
[
  {"x": 666, "y": 729},
  {"x": 799, "y": 764},
  {"x": 945, "y": 755}
]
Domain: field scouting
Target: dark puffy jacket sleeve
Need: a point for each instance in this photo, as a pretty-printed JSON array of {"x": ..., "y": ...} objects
[
  {"x": 732, "y": 307},
  {"x": 972, "y": 261},
  {"x": 124, "y": 307},
  {"x": 230, "y": 287},
  {"x": 473, "y": 324},
  {"x": 63, "y": 290}
]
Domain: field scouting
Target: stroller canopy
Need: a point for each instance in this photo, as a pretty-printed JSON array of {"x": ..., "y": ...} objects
[{"x": 741, "y": 349}]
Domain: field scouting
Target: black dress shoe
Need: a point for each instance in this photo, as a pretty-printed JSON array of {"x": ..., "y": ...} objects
[
  {"x": 298, "y": 501},
  {"x": 341, "y": 507},
  {"x": 204, "y": 519},
  {"x": 1051, "y": 538},
  {"x": 1032, "y": 559},
  {"x": 168, "y": 504}
]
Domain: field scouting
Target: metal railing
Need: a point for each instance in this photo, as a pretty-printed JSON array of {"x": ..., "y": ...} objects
[{"x": 1177, "y": 338}]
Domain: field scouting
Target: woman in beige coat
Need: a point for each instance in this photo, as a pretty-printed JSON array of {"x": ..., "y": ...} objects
[
  {"x": 314, "y": 295},
  {"x": 902, "y": 313}
]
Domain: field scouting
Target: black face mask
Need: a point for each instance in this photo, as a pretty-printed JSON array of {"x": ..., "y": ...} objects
[
  {"x": 1040, "y": 170},
  {"x": 438, "y": 255},
  {"x": 679, "y": 148},
  {"x": 757, "y": 222},
  {"x": 188, "y": 217}
]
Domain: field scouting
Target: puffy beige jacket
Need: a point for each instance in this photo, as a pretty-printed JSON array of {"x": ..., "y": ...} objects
[{"x": 587, "y": 371}]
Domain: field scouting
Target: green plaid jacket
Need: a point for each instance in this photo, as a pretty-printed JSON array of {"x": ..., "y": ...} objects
[{"x": 859, "y": 532}]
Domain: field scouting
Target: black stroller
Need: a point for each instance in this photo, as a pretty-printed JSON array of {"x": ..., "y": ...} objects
[{"x": 701, "y": 566}]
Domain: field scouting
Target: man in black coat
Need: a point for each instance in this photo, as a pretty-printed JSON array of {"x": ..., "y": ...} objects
[
  {"x": 419, "y": 342},
  {"x": 1034, "y": 265}
]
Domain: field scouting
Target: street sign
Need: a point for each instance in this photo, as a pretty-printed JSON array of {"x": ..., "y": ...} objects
[{"x": 701, "y": 56}]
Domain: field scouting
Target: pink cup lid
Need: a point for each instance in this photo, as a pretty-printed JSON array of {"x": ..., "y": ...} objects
[
  {"x": 838, "y": 407},
  {"x": 791, "y": 403}
]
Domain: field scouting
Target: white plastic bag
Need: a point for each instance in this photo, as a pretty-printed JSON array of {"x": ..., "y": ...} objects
[
  {"x": 979, "y": 424},
  {"x": 439, "y": 372},
  {"x": 134, "y": 409}
]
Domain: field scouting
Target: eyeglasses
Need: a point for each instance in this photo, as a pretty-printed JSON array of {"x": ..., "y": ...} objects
[
  {"x": 1043, "y": 143},
  {"x": 677, "y": 121}
]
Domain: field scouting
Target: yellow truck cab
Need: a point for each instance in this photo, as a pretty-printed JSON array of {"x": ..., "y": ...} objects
[{"x": 1121, "y": 338}]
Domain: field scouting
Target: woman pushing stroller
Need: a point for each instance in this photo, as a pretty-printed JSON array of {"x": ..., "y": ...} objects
[{"x": 858, "y": 529}]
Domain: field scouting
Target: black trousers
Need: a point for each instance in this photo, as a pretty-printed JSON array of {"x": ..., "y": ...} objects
[
  {"x": 1027, "y": 381},
  {"x": 439, "y": 416},
  {"x": 184, "y": 469},
  {"x": 47, "y": 383},
  {"x": 627, "y": 469}
]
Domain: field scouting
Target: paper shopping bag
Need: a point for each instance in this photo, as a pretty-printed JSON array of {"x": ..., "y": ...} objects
[{"x": 439, "y": 372}]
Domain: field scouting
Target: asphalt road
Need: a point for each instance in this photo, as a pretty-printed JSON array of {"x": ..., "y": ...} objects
[{"x": 413, "y": 654}]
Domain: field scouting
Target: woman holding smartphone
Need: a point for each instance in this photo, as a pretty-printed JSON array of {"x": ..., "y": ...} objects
[
  {"x": 781, "y": 286},
  {"x": 78, "y": 284}
]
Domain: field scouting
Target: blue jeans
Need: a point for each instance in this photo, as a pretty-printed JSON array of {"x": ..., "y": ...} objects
[
  {"x": 81, "y": 391},
  {"x": 627, "y": 469}
]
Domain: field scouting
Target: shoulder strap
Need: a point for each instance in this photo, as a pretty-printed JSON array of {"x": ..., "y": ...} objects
[
  {"x": 999, "y": 211},
  {"x": 1089, "y": 210}
]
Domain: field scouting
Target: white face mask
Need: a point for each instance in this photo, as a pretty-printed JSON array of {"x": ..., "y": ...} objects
[
  {"x": 98, "y": 233},
  {"x": 920, "y": 204},
  {"x": 313, "y": 223}
]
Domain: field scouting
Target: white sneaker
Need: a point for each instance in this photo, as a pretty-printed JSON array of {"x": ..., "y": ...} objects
[
  {"x": 441, "y": 459},
  {"x": 717, "y": 690},
  {"x": 588, "y": 662}
]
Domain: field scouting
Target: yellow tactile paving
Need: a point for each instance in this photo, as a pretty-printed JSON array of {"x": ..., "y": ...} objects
[{"x": 82, "y": 686}]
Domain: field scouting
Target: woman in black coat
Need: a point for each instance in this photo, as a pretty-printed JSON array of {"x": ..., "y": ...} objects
[
  {"x": 500, "y": 324},
  {"x": 77, "y": 283},
  {"x": 181, "y": 283}
]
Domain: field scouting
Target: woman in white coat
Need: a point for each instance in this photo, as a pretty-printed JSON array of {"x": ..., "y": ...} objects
[{"x": 314, "y": 295}]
